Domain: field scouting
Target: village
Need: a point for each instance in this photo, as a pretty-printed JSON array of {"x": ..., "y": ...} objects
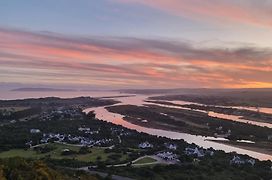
[
  {"x": 166, "y": 155},
  {"x": 88, "y": 136}
]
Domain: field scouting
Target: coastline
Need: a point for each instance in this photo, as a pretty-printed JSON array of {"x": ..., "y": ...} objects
[
  {"x": 256, "y": 147},
  {"x": 259, "y": 148}
]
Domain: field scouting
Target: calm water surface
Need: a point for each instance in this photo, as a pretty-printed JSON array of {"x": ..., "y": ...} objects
[
  {"x": 102, "y": 113},
  {"x": 225, "y": 116}
]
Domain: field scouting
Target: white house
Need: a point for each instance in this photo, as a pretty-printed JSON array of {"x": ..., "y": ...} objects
[
  {"x": 171, "y": 146},
  {"x": 169, "y": 156},
  {"x": 237, "y": 160},
  {"x": 44, "y": 140},
  {"x": 84, "y": 129},
  {"x": 29, "y": 143},
  {"x": 34, "y": 131},
  {"x": 65, "y": 150},
  {"x": 194, "y": 151},
  {"x": 251, "y": 162},
  {"x": 145, "y": 145}
]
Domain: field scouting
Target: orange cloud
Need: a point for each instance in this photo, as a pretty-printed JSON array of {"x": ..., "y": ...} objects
[{"x": 128, "y": 61}]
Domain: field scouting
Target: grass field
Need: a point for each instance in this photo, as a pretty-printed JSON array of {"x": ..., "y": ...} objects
[
  {"x": 145, "y": 160},
  {"x": 56, "y": 153}
]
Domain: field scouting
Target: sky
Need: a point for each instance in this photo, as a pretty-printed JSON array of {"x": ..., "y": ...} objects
[{"x": 136, "y": 43}]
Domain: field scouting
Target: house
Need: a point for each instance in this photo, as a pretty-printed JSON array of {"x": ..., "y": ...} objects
[
  {"x": 44, "y": 140},
  {"x": 61, "y": 137},
  {"x": 13, "y": 121},
  {"x": 194, "y": 151},
  {"x": 237, "y": 160},
  {"x": 74, "y": 139},
  {"x": 171, "y": 146},
  {"x": 51, "y": 136},
  {"x": 168, "y": 156},
  {"x": 251, "y": 162},
  {"x": 91, "y": 132},
  {"x": 84, "y": 129},
  {"x": 29, "y": 143},
  {"x": 145, "y": 145},
  {"x": 35, "y": 131}
]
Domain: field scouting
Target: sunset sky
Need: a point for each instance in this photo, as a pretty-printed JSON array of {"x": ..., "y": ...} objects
[{"x": 136, "y": 43}]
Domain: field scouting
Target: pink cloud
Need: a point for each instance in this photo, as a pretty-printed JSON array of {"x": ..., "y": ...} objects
[{"x": 127, "y": 61}]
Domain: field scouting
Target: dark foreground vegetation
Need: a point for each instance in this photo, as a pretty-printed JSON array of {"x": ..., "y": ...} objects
[
  {"x": 205, "y": 170},
  {"x": 23, "y": 169}
]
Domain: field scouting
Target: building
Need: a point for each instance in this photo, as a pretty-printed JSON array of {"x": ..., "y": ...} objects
[
  {"x": 84, "y": 129},
  {"x": 145, "y": 145},
  {"x": 168, "y": 156},
  {"x": 194, "y": 152},
  {"x": 251, "y": 162},
  {"x": 34, "y": 131},
  {"x": 239, "y": 161},
  {"x": 171, "y": 146},
  {"x": 29, "y": 143},
  {"x": 269, "y": 137}
]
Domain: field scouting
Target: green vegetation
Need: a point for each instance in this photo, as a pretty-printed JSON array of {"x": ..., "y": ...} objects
[
  {"x": 145, "y": 160},
  {"x": 93, "y": 156}
]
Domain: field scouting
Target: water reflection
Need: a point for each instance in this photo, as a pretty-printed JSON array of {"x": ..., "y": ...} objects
[
  {"x": 102, "y": 113},
  {"x": 255, "y": 109},
  {"x": 221, "y": 115}
]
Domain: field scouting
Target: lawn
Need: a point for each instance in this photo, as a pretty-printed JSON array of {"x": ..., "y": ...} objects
[
  {"x": 20, "y": 153},
  {"x": 145, "y": 160},
  {"x": 56, "y": 153}
]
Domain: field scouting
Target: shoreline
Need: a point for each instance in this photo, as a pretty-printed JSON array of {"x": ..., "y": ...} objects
[
  {"x": 242, "y": 145},
  {"x": 247, "y": 146}
]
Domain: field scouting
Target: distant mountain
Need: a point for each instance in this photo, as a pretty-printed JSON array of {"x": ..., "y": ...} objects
[
  {"x": 203, "y": 91},
  {"x": 41, "y": 89}
]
